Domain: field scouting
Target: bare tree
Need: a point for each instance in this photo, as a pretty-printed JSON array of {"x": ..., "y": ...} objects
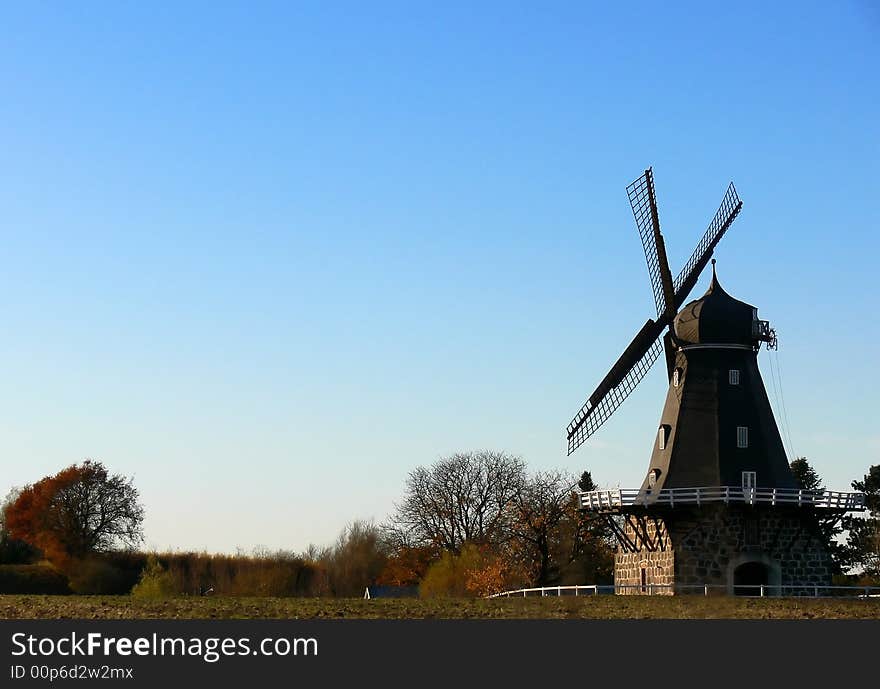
[
  {"x": 539, "y": 510},
  {"x": 459, "y": 499},
  {"x": 356, "y": 559}
]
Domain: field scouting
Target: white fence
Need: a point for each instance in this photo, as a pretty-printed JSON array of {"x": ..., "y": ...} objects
[
  {"x": 600, "y": 500},
  {"x": 590, "y": 590},
  {"x": 747, "y": 590}
]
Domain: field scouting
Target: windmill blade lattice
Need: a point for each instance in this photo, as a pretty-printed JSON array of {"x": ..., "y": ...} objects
[
  {"x": 591, "y": 417},
  {"x": 643, "y": 201},
  {"x": 727, "y": 212}
]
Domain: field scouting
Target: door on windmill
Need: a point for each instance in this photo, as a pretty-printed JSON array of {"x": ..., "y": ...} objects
[{"x": 749, "y": 483}]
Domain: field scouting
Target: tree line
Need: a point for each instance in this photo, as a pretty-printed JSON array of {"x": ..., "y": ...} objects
[
  {"x": 472, "y": 523},
  {"x": 853, "y": 539}
]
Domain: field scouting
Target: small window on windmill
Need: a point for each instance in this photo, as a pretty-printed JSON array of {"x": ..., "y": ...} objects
[
  {"x": 676, "y": 377},
  {"x": 663, "y": 436},
  {"x": 733, "y": 376},
  {"x": 653, "y": 475},
  {"x": 742, "y": 436}
]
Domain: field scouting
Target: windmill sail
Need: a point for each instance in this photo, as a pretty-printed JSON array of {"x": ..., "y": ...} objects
[
  {"x": 621, "y": 380},
  {"x": 643, "y": 200},
  {"x": 727, "y": 212}
]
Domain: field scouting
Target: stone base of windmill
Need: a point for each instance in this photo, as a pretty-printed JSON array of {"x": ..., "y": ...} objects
[{"x": 743, "y": 549}]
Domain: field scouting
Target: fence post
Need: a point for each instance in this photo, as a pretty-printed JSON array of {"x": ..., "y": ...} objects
[
  {"x": 762, "y": 590},
  {"x": 816, "y": 592}
]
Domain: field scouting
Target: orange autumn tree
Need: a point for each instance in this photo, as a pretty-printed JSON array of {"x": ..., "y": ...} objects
[
  {"x": 79, "y": 511},
  {"x": 407, "y": 565}
]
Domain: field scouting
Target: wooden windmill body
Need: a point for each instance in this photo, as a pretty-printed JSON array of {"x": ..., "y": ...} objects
[{"x": 719, "y": 506}]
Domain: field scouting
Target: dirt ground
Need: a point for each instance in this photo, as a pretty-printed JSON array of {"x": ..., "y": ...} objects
[{"x": 595, "y": 607}]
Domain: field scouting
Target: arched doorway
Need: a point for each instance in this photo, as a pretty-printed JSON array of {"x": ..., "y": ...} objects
[{"x": 748, "y": 577}]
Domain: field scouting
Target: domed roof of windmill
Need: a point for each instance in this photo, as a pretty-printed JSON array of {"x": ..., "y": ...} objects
[{"x": 715, "y": 318}]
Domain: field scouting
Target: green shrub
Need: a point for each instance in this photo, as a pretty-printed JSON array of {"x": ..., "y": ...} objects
[
  {"x": 155, "y": 581},
  {"x": 449, "y": 576}
]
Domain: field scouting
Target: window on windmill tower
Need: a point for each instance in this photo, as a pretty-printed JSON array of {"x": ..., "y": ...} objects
[
  {"x": 653, "y": 475},
  {"x": 733, "y": 376},
  {"x": 663, "y": 436},
  {"x": 676, "y": 377},
  {"x": 742, "y": 436}
]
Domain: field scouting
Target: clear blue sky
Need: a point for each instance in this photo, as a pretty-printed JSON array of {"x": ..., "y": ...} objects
[{"x": 269, "y": 258}]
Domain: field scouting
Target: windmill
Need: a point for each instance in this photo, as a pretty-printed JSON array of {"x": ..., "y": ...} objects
[
  {"x": 719, "y": 505},
  {"x": 669, "y": 295}
]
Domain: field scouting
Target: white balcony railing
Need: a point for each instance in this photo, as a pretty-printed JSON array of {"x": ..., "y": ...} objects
[{"x": 613, "y": 500}]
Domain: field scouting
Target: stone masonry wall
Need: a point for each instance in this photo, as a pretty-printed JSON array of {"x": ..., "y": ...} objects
[
  {"x": 705, "y": 544},
  {"x": 710, "y": 542},
  {"x": 658, "y": 565}
]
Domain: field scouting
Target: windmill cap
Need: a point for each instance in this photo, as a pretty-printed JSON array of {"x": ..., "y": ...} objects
[{"x": 715, "y": 318}]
